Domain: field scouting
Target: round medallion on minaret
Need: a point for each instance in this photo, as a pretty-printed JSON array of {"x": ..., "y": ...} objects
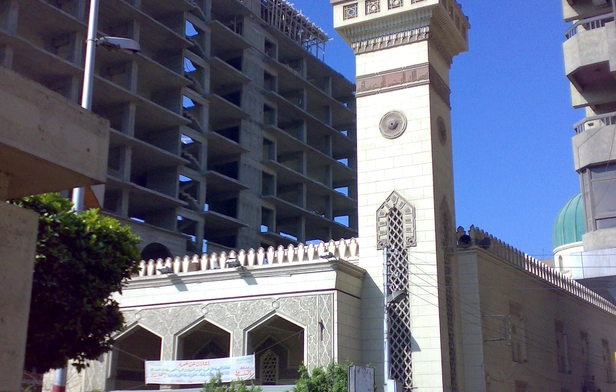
[
  {"x": 392, "y": 125},
  {"x": 442, "y": 130}
]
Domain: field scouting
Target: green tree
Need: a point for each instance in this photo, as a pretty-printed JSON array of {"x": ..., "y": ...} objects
[
  {"x": 80, "y": 261},
  {"x": 216, "y": 385},
  {"x": 331, "y": 379}
]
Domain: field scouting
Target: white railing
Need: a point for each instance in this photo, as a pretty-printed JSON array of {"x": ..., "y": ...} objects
[
  {"x": 332, "y": 250},
  {"x": 589, "y": 24},
  {"x": 595, "y": 121},
  {"x": 536, "y": 268}
]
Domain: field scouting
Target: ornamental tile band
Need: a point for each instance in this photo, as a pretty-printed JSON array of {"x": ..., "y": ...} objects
[
  {"x": 373, "y": 6},
  {"x": 396, "y": 79},
  {"x": 394, "y": 4},
  {"x": 350, "y": 11}
]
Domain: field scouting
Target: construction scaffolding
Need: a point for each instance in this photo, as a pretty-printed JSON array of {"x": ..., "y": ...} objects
[{"x": 283, "y": 16}]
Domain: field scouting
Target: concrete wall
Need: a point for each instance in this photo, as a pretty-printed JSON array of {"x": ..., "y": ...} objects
[{"x": 490, "y": 285}]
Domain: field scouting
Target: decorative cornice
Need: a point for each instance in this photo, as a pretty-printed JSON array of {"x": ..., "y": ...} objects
[
  {"x": 256, "y": 272},
  {"x": 446, "y": 31},
  {"x": 400, "y": 78},
  {"x": 391, "y": 40}
]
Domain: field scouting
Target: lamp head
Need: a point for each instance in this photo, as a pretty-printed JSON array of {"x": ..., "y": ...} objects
[
  {"x": 396, "y": 297},
  {"x": 119, "y": 44}
]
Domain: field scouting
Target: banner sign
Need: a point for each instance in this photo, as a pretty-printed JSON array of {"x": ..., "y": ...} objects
[{"x": 199, "y": 371}]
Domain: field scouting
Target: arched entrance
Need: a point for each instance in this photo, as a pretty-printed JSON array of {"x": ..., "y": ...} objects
[
  {"x": 130, "y": 351},
  {"x": 278, "y": 345}
]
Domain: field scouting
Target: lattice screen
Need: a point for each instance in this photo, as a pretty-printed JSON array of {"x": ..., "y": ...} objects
[
  {"x": 269, "y": 368},
  {"x": 399, "y": 314}
]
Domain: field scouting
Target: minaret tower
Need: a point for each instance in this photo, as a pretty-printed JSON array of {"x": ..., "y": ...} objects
[{"x": 404, "y": 49}]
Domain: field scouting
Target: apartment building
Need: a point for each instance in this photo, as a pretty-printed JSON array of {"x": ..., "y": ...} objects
[
  {"x": 227, "y": 128},
  {"x": 590, "y": 64}
]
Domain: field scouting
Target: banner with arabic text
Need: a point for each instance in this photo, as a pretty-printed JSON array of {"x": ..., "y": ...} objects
[{"x": 199, "y": 371}]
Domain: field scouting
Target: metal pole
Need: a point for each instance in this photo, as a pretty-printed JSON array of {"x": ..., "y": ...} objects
[
  {"x": 86, "y": 103},
  {"x": 59, "y": 380},
  {"x": 88, "y": 70},
  {"x": 88, "y": 81},
  {"x": 385, "y": 322}
]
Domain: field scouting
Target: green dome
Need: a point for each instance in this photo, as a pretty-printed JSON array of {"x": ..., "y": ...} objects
[{"x": 569, "y": 225}]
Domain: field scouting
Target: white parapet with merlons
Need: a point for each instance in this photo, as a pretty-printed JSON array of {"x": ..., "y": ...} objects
[{"x": 335, "y": 250}]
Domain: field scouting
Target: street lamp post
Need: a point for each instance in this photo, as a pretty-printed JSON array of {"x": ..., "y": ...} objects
[
  {"x": 86, "y": 102},
  {"x": 88, "y": 79},
  {"x": 112, "y": 43},
  {"x": 385, "y": 321}
]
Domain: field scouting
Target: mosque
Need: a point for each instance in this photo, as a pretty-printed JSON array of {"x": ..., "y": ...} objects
[{"x": 430, "y": 306}]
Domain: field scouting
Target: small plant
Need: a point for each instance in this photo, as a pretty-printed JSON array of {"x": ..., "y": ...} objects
[
  {"x": 216, "y": 385},
  {"x": 331, "y": 379}
]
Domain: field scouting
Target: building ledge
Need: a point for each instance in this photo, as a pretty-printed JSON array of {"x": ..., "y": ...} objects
[{"x": 48, "y": 143}]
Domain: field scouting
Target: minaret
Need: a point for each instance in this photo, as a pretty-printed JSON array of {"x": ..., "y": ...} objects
[{"x": 403, "y": 51}]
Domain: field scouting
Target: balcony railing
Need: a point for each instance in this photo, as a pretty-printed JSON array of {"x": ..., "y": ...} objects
[
  {"x": 595, "y": 121},
  {"x": 589, "y": 24}
]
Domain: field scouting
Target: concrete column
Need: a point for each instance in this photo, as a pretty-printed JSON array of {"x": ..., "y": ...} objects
[
  {"x": 125, "y": 163},
  {"x": 128, "y": 119},
  {"x": 10, "y": 10},
  {"x": 301, "y": 229},
  {"x": 19, "y": 228},
  {"x": 329, "y": 210},
  {"x": 76, "y": 47},
  {"x": 301, "y": 195},
  {"x": 6, "y": 56}
]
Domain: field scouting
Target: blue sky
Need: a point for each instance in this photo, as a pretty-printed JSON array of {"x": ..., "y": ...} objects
[{"x": 512, "y": 119}]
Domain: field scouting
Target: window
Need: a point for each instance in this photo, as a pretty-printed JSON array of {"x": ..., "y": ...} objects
[
  {"x": 517, "y": 333},
  {"x": 608, "y": 362},
  {"x": 269, "y": 368},
  {"x": 600, "y": 191},
  {"x": 585, "y": 355},
  {"x": 562, "y": 350}
]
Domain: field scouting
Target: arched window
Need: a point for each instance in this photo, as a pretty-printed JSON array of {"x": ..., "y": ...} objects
[
  {"x": 154, "y": 251},
  {"x": 269, "y": 368}
]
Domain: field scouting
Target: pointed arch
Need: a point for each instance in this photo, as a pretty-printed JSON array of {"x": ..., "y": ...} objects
[{"x": 384, "y": 226}]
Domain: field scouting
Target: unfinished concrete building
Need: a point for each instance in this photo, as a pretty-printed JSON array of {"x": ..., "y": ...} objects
[
  {"x": 228, "y": 129},
  {"x": 585, "y": 234}
]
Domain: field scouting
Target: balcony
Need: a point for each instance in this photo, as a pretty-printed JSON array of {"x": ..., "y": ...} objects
[
  {"x": 580, "y": 9},
  {"x": 590, "y": 60},
  {"x": 595, "y": 140},
  {"x": 595, "y": 121}
]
